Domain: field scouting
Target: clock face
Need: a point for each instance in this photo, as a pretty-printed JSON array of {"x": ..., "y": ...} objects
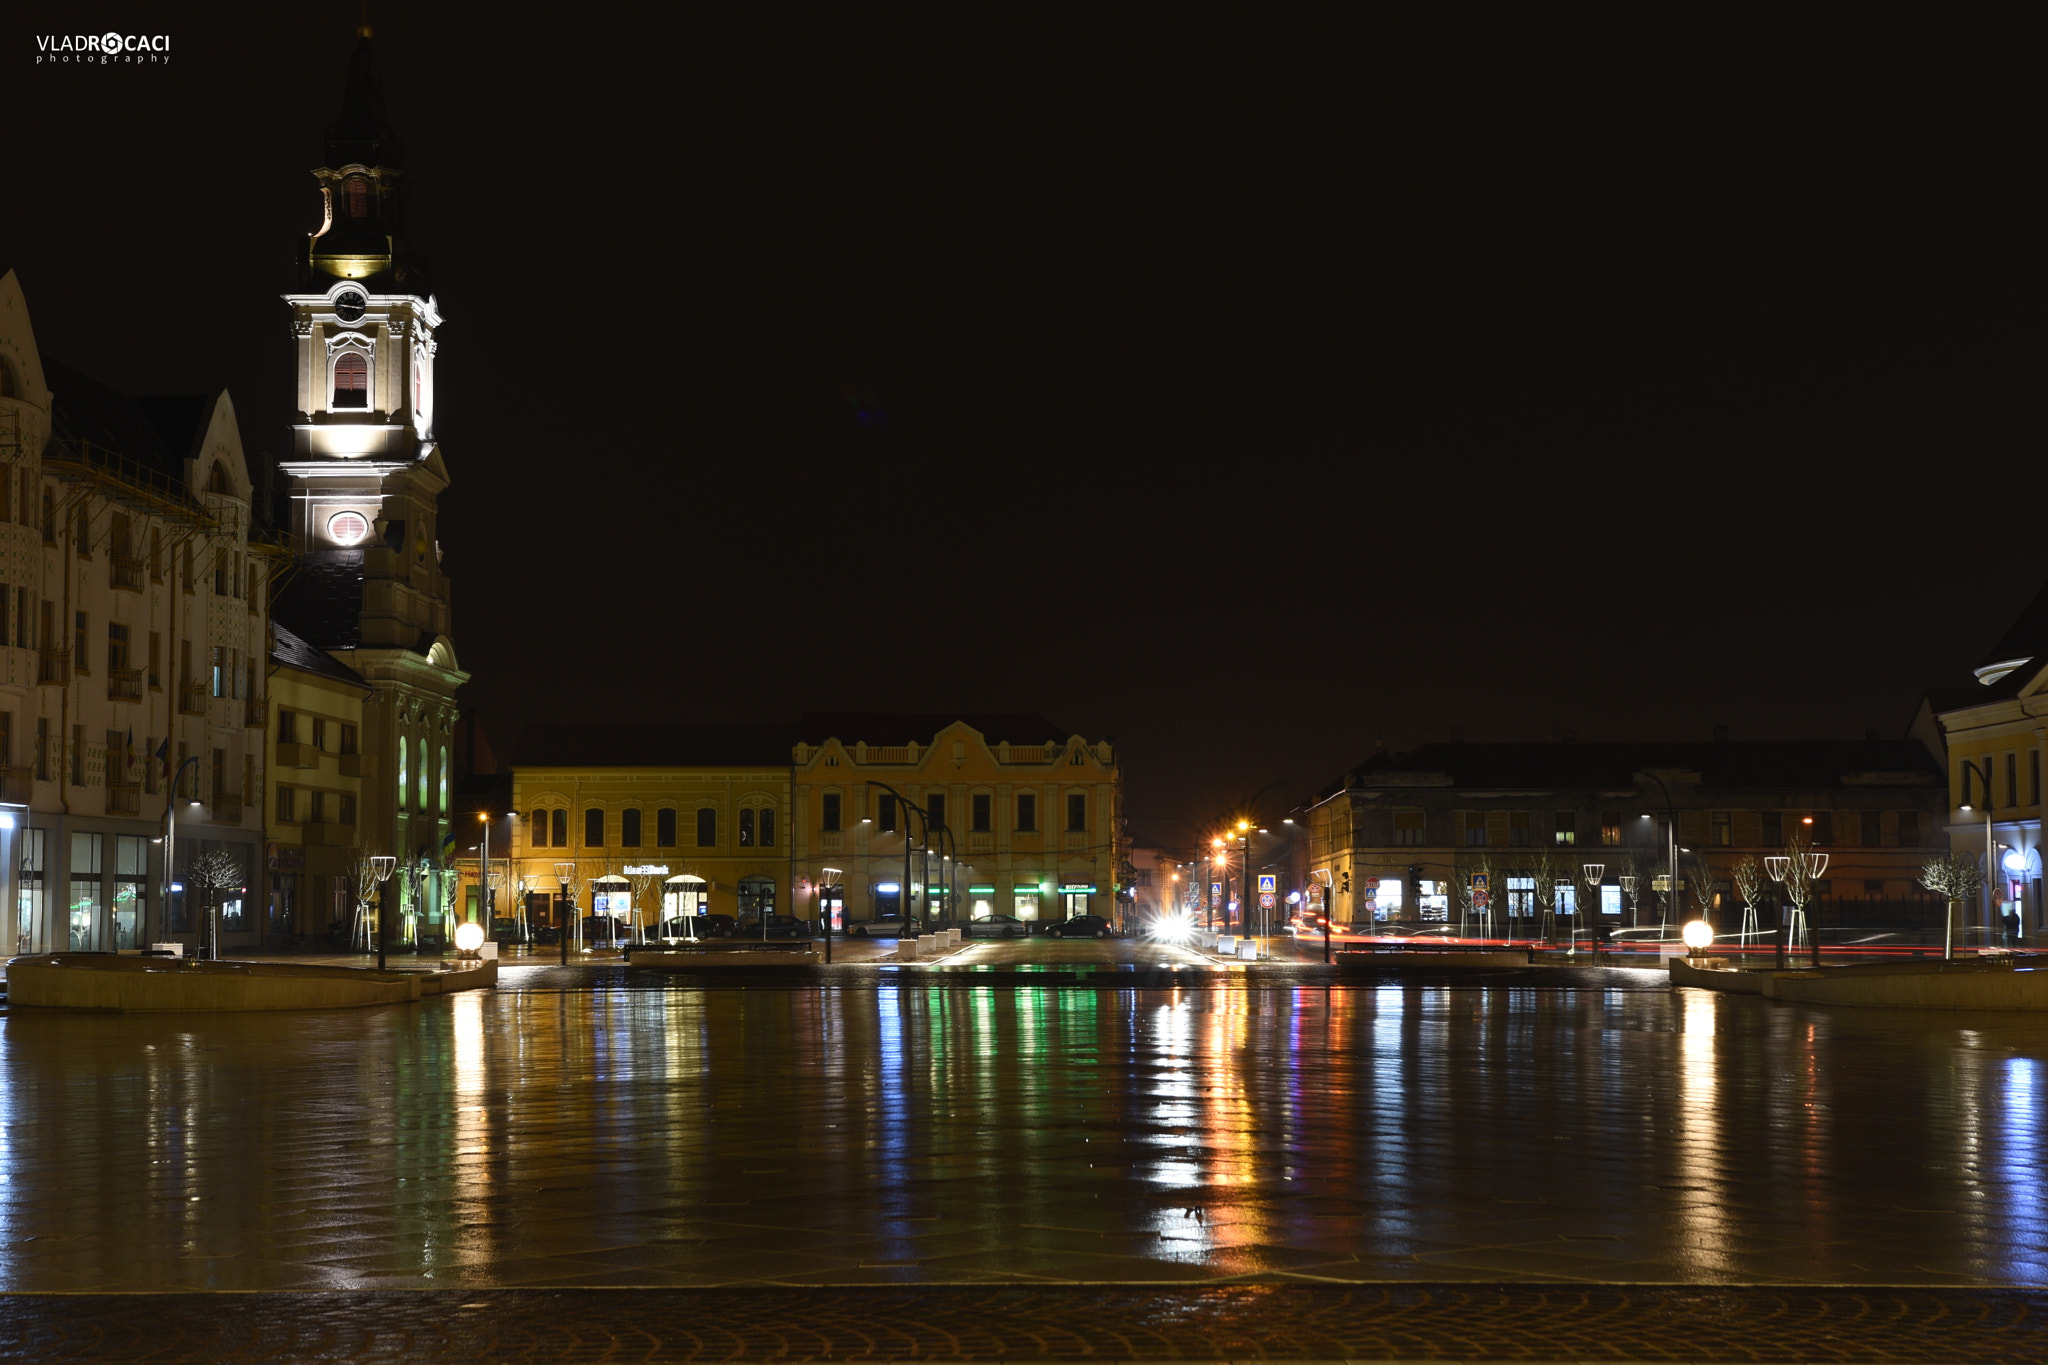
[{"x": 348, "y": 306}]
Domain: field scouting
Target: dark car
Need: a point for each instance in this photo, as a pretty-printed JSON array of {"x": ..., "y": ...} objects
[
  {"x": 886, "y": 928},
  {"x": 779, "y": 926},
  {"x": 1084, "y": 926},
  {"x": 604, "y": 929},
  {"x": 997, "y": 926}
]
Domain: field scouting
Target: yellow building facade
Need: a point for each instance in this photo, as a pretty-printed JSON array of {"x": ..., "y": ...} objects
[
  {"x": 866, "y": 817},
  {"x": 315, "y": 809}
]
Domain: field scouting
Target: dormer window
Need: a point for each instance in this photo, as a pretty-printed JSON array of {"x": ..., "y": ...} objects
[
  {"x": 351, "y": 382},
  {"x": 355, "y": 196}
]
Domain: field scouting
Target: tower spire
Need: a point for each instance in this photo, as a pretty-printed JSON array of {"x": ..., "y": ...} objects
[{"x": 363, "y": 28}]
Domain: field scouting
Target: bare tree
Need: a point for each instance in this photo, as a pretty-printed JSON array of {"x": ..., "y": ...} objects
[
  {"x": 362, "y": 881},
  {"x": 1701, "y": 875},
  {"x": 213, "y": 872},
  {"x": 1545, "y": 866},
  {"x": 643, "y": 883},
  {"x": 1748, "y": 875},
  {"x": 1956, "y": 876},
  {"x": 1798, "y": 881}
]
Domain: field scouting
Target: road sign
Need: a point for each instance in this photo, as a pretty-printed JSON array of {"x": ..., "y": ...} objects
[
  {"x": 1265, "y": 900},
  {"x": 1268, "y": 883}
]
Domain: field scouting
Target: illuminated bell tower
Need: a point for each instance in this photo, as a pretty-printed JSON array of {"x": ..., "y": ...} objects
[{"x": 365, "y": 474}]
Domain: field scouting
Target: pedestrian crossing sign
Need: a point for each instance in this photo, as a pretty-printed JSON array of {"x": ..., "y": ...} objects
[{"x": 1268, "y": 883}]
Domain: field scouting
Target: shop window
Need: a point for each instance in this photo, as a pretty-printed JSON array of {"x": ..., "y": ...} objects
[
  {"x": 746, "y": 828},
  {"x": 351, "y": 381},
  {"x": 1610, "y": 900},
  {"x": 707, "y": 827},
  {"x": 665, "y": 827},
  {"x": 537, "y": 829},
  {"x": 1408, "y": 827},
  {"x": 1565, "y": 828},
  {"x": 982, "y": 816},
  {"x": 829, "y": 817},
  {"x": 593, "y": 828},
  {"x": 1521, "y": 897},
  {"x": 1027, "y": 813},
  {"x": 629, "y": 828},
  {"x": 1077, "y": 813}
]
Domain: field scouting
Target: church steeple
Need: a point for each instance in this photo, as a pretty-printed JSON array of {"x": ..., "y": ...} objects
[{"x": 363, "y": 192}]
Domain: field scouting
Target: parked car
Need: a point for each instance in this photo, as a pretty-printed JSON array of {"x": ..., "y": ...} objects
[
  {"x": 996, "y": 926},
  {"x": 886, "y": 928},
  {"x": 779, "y": 926},
  {"x": 698, "y": 926},
  {"x": 506, "y": 931},
  {"x": 1084, "y": 926},
  {"x": 606, "y": 930}
]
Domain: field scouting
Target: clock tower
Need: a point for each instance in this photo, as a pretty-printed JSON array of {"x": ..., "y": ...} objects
[{"x": 365, "y": 472}]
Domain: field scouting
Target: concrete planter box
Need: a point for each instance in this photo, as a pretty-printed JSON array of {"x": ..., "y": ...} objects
[{"x": 103, "y": 981}]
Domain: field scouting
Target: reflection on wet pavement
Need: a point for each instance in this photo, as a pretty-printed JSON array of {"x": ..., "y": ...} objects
[{"x": 824, "y": 1135}]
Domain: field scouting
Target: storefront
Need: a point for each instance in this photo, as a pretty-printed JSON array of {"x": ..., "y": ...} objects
[{"x": 683, "y": 897}]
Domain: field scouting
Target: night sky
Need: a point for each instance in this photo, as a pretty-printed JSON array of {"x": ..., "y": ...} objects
[{"x": 1252, "y": 386}]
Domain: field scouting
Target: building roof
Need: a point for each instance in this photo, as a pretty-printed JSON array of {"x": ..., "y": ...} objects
[
  {"x": 322, "y": 601},
  {"x": 158, "y": 433},
  {"x": 1613, "y": 767},
  {"x": 2026, "y": 640},
  {"x": 655, "y": 746},
  {"x": 874, "y": 727},
  {"x": 287, "y": 650}
]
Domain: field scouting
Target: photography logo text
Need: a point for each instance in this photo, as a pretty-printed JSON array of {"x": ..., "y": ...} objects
[{"x": 102, "y": 49}]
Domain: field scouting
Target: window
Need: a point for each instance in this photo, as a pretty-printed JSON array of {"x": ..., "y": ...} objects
[
  {"x": 537, "y": 829},
  {"x": 1518, "y": 829},
  {"x": 287, "y": 726},
  {"x": 348, "y": 808},
  {"x": 351, "y": 381},
  {"x": 81, "y": 661},
  {"x": 1565, "y": 830},
  {"x": 935, "y": 809},
  {"x": 629, "y": 828},
  {"x": 1909, "y": 828},
  {"x": 316, "y": 812},
  {"x": 707, "y": 827},
  {"x": 287, "y": 803},
  {"x": 444, "y": 776},
  {"x": 117, "y": 647},
  {"x": 78, "y": 755},
  {"x": 746, "y": 828},
  {"x": 22, "y": 599},
  {"x": 885, "y": 815},
  {"x": 1772, "y": 823},
  {"x": 1610, "y": 827},
  {"x": 1408, "y": 827},
  {"x": 558, "y": 820},
  {"x": 156, "y": 661},
  {"x": 828, "y": 815},
  {"x": 1077, "y": 813},
  {"x": 403, "y": 745},
  {"x": 150, "y": 766},
  {"x": 593, "y": 828},
  {"x": 2012, "y": 779},
  {"x": 1610, "y": 900},
  {"x": 665, "y": 827},
  {"x": 1521, "y": 897},
  {"x": 1567, "y": 898},
  {"x": 49, "y": 518},
  {"x": 1027, "y": 813},
  {"x": 319, "y": 734},
  {"x": 42, "y": 749},
  {"x": 767, "y": 828},
  {"x": 1873, "y": 828},
  {"x": 81, "y": 533},
  {"x": 1822, "y": 830},
  {"x": 355, "y": 198},
  {"x": 2034, "y": 778},
  {"x": 1475, "y": 828},
  {"x": 1724, "y": 828},
  {"x": 349, "y": 741},
  {"x": 983, "y": 816}
]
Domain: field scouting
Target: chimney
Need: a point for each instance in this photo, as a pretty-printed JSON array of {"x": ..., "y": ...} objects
[{"x": 1720, "y": 734}]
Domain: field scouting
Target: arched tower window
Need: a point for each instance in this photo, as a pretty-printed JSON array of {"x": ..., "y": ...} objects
[
  {"x": 351, "y": 382},
  {"x": 6, "y": 380},
  {"x": 355, "y": 196},
  {"x": 217, "y": 479}
]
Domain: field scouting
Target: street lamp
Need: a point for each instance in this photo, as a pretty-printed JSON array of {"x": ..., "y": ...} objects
[
  {"x": 1592, "y": 874},
  {"x": 171, "y": 838},
  {"x": 828, "y": 880},
  {"x": 565, "y": 872},
  {"x": 382, "y": 865},
  {"x": 484, "y": 882}
]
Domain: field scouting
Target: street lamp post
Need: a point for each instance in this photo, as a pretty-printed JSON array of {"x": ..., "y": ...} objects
[
  {"x": 564, "y": 873},
  {"x": 1591, "y": 874},
  {"x": 382, "y": 864},
  {"x": 828, "y": 880},
  {"x": 484, "y": 882},
  {"x": 170, "y": 840}
]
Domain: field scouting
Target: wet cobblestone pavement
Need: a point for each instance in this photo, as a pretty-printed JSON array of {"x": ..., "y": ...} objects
[
  {"x": 1294, "y": 1323},
  {"x": 1054, "y": 1159}
]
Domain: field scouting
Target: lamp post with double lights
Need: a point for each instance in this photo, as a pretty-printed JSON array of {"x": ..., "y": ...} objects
[
  {"x": 382, "y": 864},
  {"x": 171, "y": 839},
  {"x": 1591, "y": 875},
  {"x": 565, "y": 872},
  {"x": 1798, "y": 878},
  {"x": 924, "y": 816},
  {"x": 828, "y": 880}
]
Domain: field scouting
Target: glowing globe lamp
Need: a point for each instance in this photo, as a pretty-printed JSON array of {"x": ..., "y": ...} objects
[
  {"x": 468, "y": 938},
  {"x": 1698, "y": 935}
]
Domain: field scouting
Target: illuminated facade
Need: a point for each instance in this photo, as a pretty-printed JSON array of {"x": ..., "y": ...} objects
[
  {"x": 316, "y": 789},
  {"x": 365, "y": 475},
  {"x": 1994, "y": 739},
  {"x": 749, "y": 817},
  {"x": 1401, "y": 832},
  {"x": 132, "y": 610}
]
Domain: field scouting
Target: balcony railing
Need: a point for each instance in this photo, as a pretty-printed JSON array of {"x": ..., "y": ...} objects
[
  {"x": 124, "y": 684},
  {"x": 192, "y": 699},
  {"x": 53, "y": 666},
  {"x": 125, "y": 572},
  {"x": 124, "y": 798}
]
